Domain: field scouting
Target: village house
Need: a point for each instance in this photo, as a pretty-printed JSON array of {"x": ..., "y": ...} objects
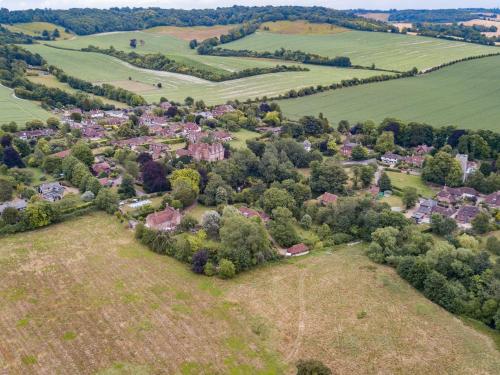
[
  {"x": 493, "y": 200},
  {"x": 424, "y": 211},
  {"x": 423, "y": 149},
  {"x": 414, "y": 160},
  {"x": 158, "y": 150},
  {"x": 445, "y": 211},
  {"x": 190, "y": 128},
  {"x": 454, "y": 195},
  {"x": 52, "y": 191},
  {"x": 249, "y": 213},
  {"x": 34, "y": 134},
  {"x": 466, "y": 214},
  {"x": 93, "y": 132},
  {"x": 222, "y": 109},
  {"x": 203, "y": 151},
  {"x": 166, "y": 220},
  {"x": 222, "y": 136},
  {"x": 327, "y": 198},
  {"x": 296, "y": 250},
  {"x": 346, "y": 149},
  {"x": 62, "y": 154},
  {"x": 101, "y": 168},
  {"x": 391, "y": 159}
]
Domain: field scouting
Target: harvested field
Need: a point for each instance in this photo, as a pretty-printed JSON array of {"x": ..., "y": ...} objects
[
  {"x": 486, "y": 23},
  {"x": 83, "y": 297},
  {"x": 301, "y": 27},
  {"x": 196, "y": 32},
  {"x": 70, "y": 304},
  {"x": 360, "y": 318},
  {"x": 376, "y": 16}
]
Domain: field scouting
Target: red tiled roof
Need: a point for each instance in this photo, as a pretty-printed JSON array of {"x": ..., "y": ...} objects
[
  {"x": 167, "y": 215},
  {"x": 62, "y": 154},
  {"x": 297, "y": 249},
  {"x": 326, "y": 198}
]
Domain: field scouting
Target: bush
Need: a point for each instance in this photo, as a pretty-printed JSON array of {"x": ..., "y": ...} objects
[
  {"x": 200, "y": 259},
  {"x": 226, "y": 269},
  {"x": 209, "y": 269},
  {"x": 312, "y": 367},
  {"x": 493, "y": 245}
]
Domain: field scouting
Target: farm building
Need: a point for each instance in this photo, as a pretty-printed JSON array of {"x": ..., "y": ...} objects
[
  {"x": 166, "y": 220},
  {"x": 296, "y": 250}
]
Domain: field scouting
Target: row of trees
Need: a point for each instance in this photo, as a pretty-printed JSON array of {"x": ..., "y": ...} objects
[
  {"x": 105, "y": 90},
  {"x": 13, "y": 63},
  {"x": 158, "y": 61},
  {"x": 459, "y": 276},
  {"x": 282, "y": 54}
]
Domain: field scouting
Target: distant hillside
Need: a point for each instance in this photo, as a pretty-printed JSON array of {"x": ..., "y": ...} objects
[{"x": 90, "y": 21}]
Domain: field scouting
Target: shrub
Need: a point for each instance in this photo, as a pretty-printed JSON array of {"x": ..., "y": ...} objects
[
  {"x": 209, "y": 269},
  {"x": 200, "y": 259},
  {"x": 226, "y": 269},
  {"x": 312, "y": 367}
]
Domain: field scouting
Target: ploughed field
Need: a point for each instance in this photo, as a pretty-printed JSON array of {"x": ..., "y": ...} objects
[
  {"x": 84, "y": 297},
  {"x": 466, "y": 94}
]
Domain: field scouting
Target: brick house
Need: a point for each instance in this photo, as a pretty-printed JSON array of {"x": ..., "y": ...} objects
[
  {"x": 296, "y": 250},
  {"x": 166, "y": 220},
  {"x": 466, "y": 214},
  {"x": 203, "y": 151},
  {"x": 327, "y": 198},
  {"x": 249, "y": 213},
  {"x": 493, "y": 200}
]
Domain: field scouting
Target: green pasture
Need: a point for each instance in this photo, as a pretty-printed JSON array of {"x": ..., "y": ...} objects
[
  {"x": 36, "y": 29},
  {"x": 385, "y": 50},
  {"x": 465, "y": 94},
  {"x": 18, "y": 110},
  {"x": 99, "y": 68}
]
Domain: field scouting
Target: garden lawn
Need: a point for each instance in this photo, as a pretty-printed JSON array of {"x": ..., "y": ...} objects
[{"x": 403, "y": 180}]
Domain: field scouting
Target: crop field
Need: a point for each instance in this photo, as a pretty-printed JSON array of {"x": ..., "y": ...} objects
[
  {"x": 69, "y": 304},
  {"x": 385, "y": 50},
  {"x": 465, "y": 95},
  {"x": 36, "y": 29},
  {"x": 51, "y": 81},
  {"x": 194, "y": 32},
  {"x": 301, "y": 27},
  {"x": 19, "y": 110},
  {"x": 98, "y": 68}
]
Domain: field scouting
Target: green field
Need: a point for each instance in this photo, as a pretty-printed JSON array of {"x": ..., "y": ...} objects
[
  {"x": 18, "y": 110},
  {"x": 465, "y": 94},
  {"x": 385, "y": 50},
  {"x": 100, "y": 68},
  {"x": 70, "y": 304},
  {"x": 36, "y": 29}
]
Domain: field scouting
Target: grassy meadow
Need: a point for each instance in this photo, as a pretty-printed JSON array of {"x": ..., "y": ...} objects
[
  {"x": 19, "y": 110},
  {"x": 36, "y": 29},
  {"x": 403, "y": 180},
  {"x": 100, "y": 68},
  {"x": 464, "y": 94},
  {"x": 385, "y": 50},
  {"x": 70, "y": 304}
]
